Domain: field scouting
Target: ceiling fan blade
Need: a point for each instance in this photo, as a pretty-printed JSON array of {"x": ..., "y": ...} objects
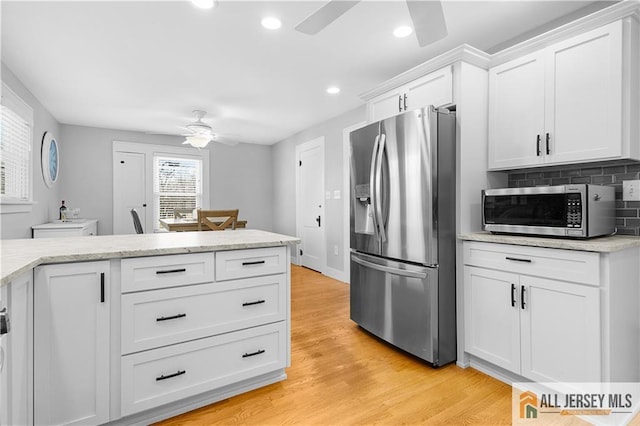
[
  {"x": 225, "y": 141},
  {"x": 322, "y": 17},
  {"x": 428, "y": 20}
]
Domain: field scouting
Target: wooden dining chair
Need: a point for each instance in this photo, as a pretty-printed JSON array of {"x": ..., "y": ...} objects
[
  {"x": 183, "y": 214},
  {"x": 217, "y": 220}
]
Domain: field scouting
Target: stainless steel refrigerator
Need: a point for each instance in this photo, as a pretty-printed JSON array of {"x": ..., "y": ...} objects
[{"x": 403, "y": 232}]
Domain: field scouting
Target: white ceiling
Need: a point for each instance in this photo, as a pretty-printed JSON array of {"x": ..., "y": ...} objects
[{"x": 144, "y": 66}]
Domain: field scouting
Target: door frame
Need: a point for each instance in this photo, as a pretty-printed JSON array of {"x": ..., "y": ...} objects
[
  {"x": 346, "y": 196},
  {"x": 317, "y": 142}
]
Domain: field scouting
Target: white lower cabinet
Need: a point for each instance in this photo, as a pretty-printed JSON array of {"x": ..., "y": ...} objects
[
  {"x": 16, "y": 351},
  {"x": 202, "y": 323},
  {"x": 71, "y": 343},
  {"x": 160, "y": 376},
  {"x": 544, "y": 330},
  {"x": 552, "y": 315}
]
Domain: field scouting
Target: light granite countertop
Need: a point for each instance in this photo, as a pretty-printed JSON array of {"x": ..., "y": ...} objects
[
  {"x": 599, "y": 244},
  {"x": 18, "y": 256}
]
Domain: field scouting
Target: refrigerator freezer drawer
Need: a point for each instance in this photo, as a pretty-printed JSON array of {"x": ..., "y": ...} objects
[{"x": 398, "y": 302}]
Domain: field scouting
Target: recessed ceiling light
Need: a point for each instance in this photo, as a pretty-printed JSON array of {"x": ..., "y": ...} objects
[
  {"x": 333, "y": 90},
  {"x": 402, "y": 31},
  {"x": 205, "y": 4},
  {"x": 271, "y": 23}
]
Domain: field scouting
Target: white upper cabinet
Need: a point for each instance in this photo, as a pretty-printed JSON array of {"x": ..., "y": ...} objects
[
  {"x": 567, "y": 103},
  {"x": 435, "y": 89}
]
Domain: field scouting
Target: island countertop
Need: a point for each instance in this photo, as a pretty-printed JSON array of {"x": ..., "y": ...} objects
[
  {"x": 599, "y": 244},
  {"x": 20, "y": 255}
]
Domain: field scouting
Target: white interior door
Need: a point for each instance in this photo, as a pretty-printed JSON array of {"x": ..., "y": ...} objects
[
  {"x": 310, "y": 204},
  {"x": 129, "y": 186}
]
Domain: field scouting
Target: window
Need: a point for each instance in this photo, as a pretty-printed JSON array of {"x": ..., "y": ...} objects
[
  {"x": 16, "y": 133},
  {"x": 177, "y": 184}
]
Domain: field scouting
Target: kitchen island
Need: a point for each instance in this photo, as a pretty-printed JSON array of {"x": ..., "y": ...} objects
[{"x": 138, "y": 328}]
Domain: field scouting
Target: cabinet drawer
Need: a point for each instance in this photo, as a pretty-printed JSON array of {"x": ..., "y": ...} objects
[
  {"x": 147, "y": 273},
  {"x": 250, "y": 263},
  {"x": 567, "y": 265},
  {"x": 164, "y": 317},
  {"x": 164, "y": 375}
]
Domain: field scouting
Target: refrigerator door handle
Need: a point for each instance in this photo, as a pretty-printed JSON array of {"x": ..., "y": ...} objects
[
  {"x": 372, "y": 183},
  {"x": 388, "y": 269},
  {"x": 378, "y": 191}
]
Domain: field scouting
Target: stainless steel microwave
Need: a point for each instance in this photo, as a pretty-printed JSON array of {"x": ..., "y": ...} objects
[{"x": 578, "y": 211}]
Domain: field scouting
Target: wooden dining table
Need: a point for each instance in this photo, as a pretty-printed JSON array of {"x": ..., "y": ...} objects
[{"x": 182, "y": 225}]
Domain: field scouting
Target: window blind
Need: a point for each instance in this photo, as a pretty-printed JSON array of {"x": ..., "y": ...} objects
[
  {"x": 15, "y": 157},
  {"x": 177, "y": 184}
]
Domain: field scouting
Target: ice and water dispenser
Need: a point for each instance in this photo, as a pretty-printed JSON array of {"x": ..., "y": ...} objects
[{"x": 363, "y": 210}]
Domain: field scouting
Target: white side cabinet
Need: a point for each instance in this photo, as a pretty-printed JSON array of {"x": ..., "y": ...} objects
[
  {"x": 16, "y": 351},
  {"x": 72, "y": 228},
  {"x": 567, "y": 103},
  {"x": 548, "y": 314},
  {"x": 435, "y": 89},
  {"x": 71, "y": 343}
]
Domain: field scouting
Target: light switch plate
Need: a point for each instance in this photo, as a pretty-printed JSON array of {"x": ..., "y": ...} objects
[{"x": 631, "y": 190}]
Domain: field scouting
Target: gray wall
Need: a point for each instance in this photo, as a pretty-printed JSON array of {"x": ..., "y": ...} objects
[
  {"x": 284, "y": 181},
  {"x": 240, "y": 175},
  {"x": 47, "y": 200}
]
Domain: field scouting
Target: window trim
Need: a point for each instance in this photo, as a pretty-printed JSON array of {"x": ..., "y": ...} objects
[{"x": 11, "y": 100}]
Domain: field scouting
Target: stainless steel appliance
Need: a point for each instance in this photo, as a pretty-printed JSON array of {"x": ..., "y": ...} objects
[
  {"x": 403, "y": 232},
  {"x": 577, "y": 211}
]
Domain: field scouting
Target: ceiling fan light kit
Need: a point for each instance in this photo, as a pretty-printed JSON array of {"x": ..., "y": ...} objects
[{"x": 197, "y": 141}]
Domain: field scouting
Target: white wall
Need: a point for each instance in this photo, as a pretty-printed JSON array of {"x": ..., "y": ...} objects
[
  {"x": 240, "y": 175},
  {"x": 47, "y": 200},
  {"x": 284, "y": 181}
]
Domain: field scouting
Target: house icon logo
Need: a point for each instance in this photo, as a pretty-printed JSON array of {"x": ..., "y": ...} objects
[{"x": 528, "y": 405}]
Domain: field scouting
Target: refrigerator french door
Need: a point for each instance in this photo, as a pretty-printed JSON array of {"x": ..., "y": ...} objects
[{"x": 403, "y": 232}]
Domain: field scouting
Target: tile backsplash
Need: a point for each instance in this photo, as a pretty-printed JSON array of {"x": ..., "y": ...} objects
[{"x": 627, "y": 212}]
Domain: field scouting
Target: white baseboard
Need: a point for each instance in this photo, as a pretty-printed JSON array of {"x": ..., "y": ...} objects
[{"x": 336, "y": 274}]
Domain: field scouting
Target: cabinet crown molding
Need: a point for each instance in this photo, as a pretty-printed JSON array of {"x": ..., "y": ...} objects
[
  {"x": 464, "y": 53},
  {"x": 624, "y": 9}
]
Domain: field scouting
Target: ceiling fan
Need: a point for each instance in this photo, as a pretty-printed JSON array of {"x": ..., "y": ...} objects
[
  {"x": 200, "y": 133},
  {"x": 428, "y": 19}
]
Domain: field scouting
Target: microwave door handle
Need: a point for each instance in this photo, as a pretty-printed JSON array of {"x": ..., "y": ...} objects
[
  {"x": 372, "y": 183},
  {"x": 378, "y": 190}
]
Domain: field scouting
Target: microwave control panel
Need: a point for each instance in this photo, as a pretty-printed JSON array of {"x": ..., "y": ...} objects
[{"x": 574, "y": 211}]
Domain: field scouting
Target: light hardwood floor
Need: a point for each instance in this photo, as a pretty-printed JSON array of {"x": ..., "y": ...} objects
[{"x": 340, "y": 375}]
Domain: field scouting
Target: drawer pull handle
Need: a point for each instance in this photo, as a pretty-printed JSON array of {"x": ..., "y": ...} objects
[
  {"x": 257, "y": 302},
  {"x": 261, "y": 351},
  {"x": 171, "y": 317},
  {"x": 518, "y": 260},
  {"x": 176, "y": 374},
  {"x": 171, "y": 271},
  {"x": 257, "y": 262}
]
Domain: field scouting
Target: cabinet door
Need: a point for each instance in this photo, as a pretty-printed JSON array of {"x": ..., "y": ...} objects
[
  {"x": 584, "y": 96},
  {"x": 560, "y": 331},
  {"x": 71, "y": 365},
  {"x": 16, "y": 353},
  {"x": 516, "y": 113},
  {"x": 386, "y": 105},
  {"x": 492, "y": 317},
  {"x": 433, "y": 89}
]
